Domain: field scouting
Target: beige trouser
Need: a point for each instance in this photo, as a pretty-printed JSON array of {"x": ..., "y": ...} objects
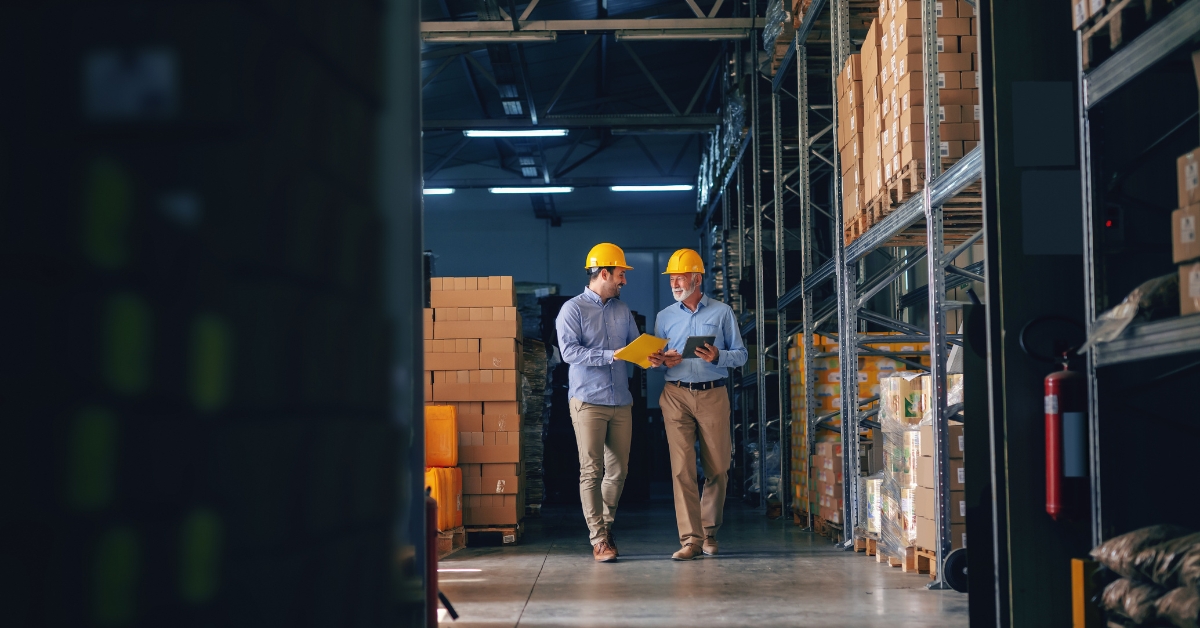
[
  {"x": 603, "y": 434},
  {"x": 688, "y": 415}
]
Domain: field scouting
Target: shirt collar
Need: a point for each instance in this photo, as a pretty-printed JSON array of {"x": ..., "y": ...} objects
[
  {"x": 591, "y": 295},
  {"x": 703, "y": 302}
]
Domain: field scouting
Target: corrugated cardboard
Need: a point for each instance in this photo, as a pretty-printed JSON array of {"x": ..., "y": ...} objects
[
  {"x": 483, "y": 510},
  {"x": 503, "y": 469},
  {"x": 1188, "y": 175},
  {"x": 925, "y": 505},
  {"x": 472, "y": 298},
  {"x": 507, "y": 485},
  {"x": 500, "y": 360},
  {"x": 428, "y": 325},
  {"x": 1189, "y": 289},
  {"x": 477, "y": 329},
  {"x": 470, "y": 422},
  {"x": 451, "y": 361},
  {"x": 489, "y": 447},
  {"x": 927, "y": 534},
  {"x": 954, "y": 440}
]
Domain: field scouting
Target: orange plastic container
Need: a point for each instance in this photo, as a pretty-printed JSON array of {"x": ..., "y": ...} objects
[
  {"x": 445, "y": 485},
  {"x": 441, "y": 436}
]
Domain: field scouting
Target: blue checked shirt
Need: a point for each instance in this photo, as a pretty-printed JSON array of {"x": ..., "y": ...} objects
[
  {"x": 711, "y": 318},
  {"x": 589, "y": 332}
]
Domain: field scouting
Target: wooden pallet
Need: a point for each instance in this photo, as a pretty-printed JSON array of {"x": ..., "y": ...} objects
[
  {"x": 1121, "y": 22},
  {"x": 927, "y": 561},
  {"x": 451, "y": 541},
  {"x": 509, "y": 535},
  {"x": 868, "y": 546}
]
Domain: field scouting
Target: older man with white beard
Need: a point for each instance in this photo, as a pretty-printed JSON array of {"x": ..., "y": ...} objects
[{"x": 695, "y": 403}]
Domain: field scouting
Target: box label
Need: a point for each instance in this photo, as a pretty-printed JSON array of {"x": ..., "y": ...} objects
[
  {"x": 1097, "y": 6},
  {"x": 962, "y": 475},
  {"x": 500, "y": 485},
  {"x": 1192, "y": 178},
  {"x": 1194, "y": 282},
  {"x": 1187, "y": 229}
]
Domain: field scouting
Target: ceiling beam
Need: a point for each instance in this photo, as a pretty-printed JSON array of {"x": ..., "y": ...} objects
[
  {"x": 595, "y": 26},
  {"x": 477, "y": 183},
  {"x": 701, "y": 123}
]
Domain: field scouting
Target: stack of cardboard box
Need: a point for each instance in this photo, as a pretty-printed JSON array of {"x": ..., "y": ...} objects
[
  {"x": 472, "y": 361},
  {"x": 1185, "y": 247},
  {"x": 827, "y": 469},
  {"x": 872, "y": 163},
  {"x": 925, "y": 469},
  {"x": 902, "y": 85},
  {"x": 851, "y": 115}
]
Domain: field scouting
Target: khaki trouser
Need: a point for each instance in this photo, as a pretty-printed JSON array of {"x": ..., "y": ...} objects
[
  {"x": 688, "y": 415},
  {"x": 603, "y": 434}
]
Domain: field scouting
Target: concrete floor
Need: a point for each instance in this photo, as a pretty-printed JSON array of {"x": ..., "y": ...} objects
[{"x": 768, "y": 574}]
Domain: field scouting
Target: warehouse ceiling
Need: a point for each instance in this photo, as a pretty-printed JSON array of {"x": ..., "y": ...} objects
[{"x": 636, "y": 110}]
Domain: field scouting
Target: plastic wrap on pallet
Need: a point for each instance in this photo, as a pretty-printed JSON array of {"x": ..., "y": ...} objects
[
  {"x": 900, "y": 413},
  {"x": 954, "y": 394},
  {"x": 777, "y": 16},
  {"x": 869, "y": 509},
  {"x": 733, "y": 122},
  {"x": 773, "y": 480},
  {"x": 535, "y": 370}
]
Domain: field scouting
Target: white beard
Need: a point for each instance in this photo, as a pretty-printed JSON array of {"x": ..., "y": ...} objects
[{"x": 684, "y": 297}]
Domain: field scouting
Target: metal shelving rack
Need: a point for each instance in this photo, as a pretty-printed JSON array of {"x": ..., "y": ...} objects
[
  {"x": 1144, "y": 341},
  {"x": 851, "y": 297}
]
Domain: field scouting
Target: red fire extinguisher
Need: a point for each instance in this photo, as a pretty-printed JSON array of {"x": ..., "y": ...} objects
[{"x": 1067, "y": 482}]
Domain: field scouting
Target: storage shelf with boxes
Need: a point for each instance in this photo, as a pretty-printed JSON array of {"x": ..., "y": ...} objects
[
  {"x": 881, "y": 118},
  {"x": 473, "y": 360}
]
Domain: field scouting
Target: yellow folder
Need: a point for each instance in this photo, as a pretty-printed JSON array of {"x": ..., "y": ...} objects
[{"x": 640, "y": 349}]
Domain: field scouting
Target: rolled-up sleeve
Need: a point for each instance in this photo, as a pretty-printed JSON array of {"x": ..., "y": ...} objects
[
  {"x": 734, "y": 355},
  {"x": 570, "y": 339}
]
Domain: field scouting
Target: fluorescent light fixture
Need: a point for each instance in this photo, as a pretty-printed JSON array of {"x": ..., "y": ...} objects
[
  {"x": 438, "y": 191},
  {"x": 517, "y": 133},
  {"x": 487, "y": 37},
  {"x": 683, "y": 34},
  {"x": 532, "y": 190},
  {"x": 445, "y": 570},
  {"x": 652, "y": 188}
]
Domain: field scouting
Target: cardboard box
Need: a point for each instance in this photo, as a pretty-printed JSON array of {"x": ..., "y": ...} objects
[
  {"x": 947, "y": 9},
  {"x": 489, "y": 447},
  {"x": 502, "y": 469},
  {"x": 953, "y": 26},
  {"x": 505, "y": 485},
  {"x": 484, "y": 510},
  {"x": 1189, "y": 289},
  {"x": 428, "y": 325},
  {"x": 473, "y": 298},
  {"x": 966, "y": 9},
  {"x": 470, "y": 423},
  {"x": 958, "y": 96},
  {"x": 927, "y": 535},
  {"x": 1188, "y": 175},
  {"x": 969, "y": 43},
  {"x": 925, "y": 505},
  {"x": 947, "y": 43},
  {"x": 451, "y": 361},
  {"x": 957, "y": 133},
  {"x": 950, "y": 114},
  {"x": 949, "y": 80},
  {"x": 1184, "y": 244},
  {"x": 477, "y": 329}
]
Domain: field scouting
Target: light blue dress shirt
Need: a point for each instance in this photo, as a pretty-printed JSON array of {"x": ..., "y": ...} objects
[
  {"x": 590, "y": 330},
  {"x": 711, "y": 318}
]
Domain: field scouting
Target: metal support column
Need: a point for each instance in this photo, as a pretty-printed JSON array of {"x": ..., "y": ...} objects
[
  {"x": 806, "y": 262},
  {"x": 937, "y": 289},
  {"x": 846, "y": 299},
  {"x": 759, "y": 298},
  {"x": 780, "y": 288}
]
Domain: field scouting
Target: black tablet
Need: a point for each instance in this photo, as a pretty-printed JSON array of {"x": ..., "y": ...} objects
[{"x": 695, "y": 342}]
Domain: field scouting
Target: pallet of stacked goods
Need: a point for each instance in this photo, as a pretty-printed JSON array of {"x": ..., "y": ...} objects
[
  {"x": 851, "y": 115},
  {"x": 828, "y": 475},
  {"x": 478, "y": 331},
  {"x": 1107, "y": 25},
  {"x": 902, "y": 112},
  {"x": 900, "y": 415},
  {"x": 872, "y": 148},
  {"x": 779, "y": 33},
  {"x": 1185, "y": 247},
  {"x": 925, "y": 469}
]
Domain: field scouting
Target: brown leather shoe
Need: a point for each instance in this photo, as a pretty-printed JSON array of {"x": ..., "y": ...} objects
[
  {"x": 603, "y": 553},
  {"x": 710, "y": 546},
  {"x": 688, "y": 552},
  {"x": 608, "y": 538}
]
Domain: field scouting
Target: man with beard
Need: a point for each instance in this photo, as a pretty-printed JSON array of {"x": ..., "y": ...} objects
[
  {"x": 591, "y": 327},
  {"x": 695, "y": 403}
]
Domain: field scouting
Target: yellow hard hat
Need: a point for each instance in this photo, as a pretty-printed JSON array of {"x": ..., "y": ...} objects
[
  {"x": 684, "y": 261},
  {"x": 605, "y": 254}
]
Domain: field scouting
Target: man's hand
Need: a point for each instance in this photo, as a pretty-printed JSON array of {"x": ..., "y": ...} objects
[
  {"x": 657, "y": 358},
  {"x": 708, "y": 353},
  {"x": 672, "y": 358}
]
